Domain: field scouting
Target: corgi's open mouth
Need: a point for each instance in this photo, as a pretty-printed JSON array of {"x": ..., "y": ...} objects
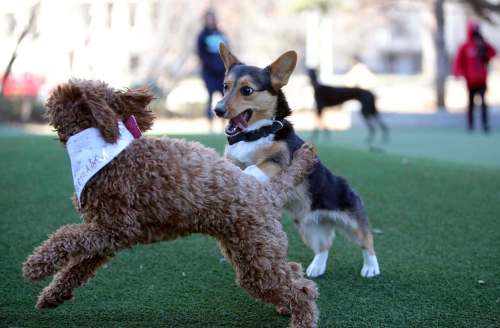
[{"x": 239, "y": 122}]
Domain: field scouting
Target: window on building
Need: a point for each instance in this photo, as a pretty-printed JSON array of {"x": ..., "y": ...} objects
[
  {"x": 400, "y": 29},
  {"x": 11, "y": 24},
  {"x": 133, "y": 65},
  {"x": 71, "y": 59},
  {"x": 155, "y": 15},
  {"x": 132, "y": 13},
  {"x": 34, "y": 29},
  {"x": 109, "y": 15},
  {"x": 87, "y": 18}
]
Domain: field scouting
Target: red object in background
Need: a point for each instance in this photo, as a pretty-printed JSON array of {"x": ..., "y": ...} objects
[
  {"x": 470, "y": 62},
  {"x": 23, "y": 85}
]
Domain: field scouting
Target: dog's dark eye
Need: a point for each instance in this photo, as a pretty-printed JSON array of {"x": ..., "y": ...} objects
[
  {"x": 226, "y": 86},
  {"x": 246, "y": 91}
]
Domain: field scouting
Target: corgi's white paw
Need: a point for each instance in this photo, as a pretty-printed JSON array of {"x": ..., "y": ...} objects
[
  {"x": 370, "y": 265},
  {"x": 318, "y": 265},
  {"x": 254, "y": 170}
]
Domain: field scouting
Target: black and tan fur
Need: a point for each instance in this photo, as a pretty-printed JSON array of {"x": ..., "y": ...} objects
[{"x": 253, "y": 101}]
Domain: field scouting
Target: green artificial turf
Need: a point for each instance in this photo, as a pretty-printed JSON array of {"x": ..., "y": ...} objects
[{"x": 439, "y": 234}]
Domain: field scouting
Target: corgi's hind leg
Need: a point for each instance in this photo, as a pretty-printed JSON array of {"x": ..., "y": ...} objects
[
  {"x": 355, "y": 224},
  {"x": 318, "y": 235},
  {"x": 370, "y": 267}
]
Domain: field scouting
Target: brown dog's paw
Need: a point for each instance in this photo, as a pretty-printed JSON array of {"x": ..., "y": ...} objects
[
  {"x": 306, "y": 288},
  {"x": 307, "y": 153},
  {"x": 49, "y": 300},
  {"x": 310, "y": 289},
  {"x": 297, "y": 270},
  {"x": 46, "y": 304},
  {"x": 35, "y": 268},
  {"x": 295, "y": 267},
  {"x": 283, "y": 310},
  {"x": 309, "y": 146},
  {"x": 307, "y": 150}
]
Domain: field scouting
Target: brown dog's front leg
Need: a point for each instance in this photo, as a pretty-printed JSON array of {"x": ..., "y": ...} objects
[
  {"x": 68, "y": 279},
  {"x": 68, "y": 242}
]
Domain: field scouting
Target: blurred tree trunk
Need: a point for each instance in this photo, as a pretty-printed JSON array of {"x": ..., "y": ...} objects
[
  {"x": 484, "y": 9},
  {"x": 13, "y": 57},
  {"x": 442, "y": 60}
]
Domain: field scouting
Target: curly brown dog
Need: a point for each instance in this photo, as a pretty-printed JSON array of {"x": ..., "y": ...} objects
[{"x": 161, "y": 188}]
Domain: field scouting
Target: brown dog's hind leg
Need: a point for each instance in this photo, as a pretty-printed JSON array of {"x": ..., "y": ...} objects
[
  {"x": 68, "y": 279},
  {"x": 297, "y": 274},
  {"x": 304, "y": 310},
  {"x": 290, "y": 294},
  {"x": 268, "y": 277},
  {"x": 70, "y": 241}
]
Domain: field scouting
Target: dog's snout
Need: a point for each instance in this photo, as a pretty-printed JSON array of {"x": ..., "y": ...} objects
[{"x": 220, "y": 109}]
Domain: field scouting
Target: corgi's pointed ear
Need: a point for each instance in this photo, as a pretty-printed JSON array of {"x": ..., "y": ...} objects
[
  {"x": 282, "y": 68},
  {"x": 227, "y": 57}
]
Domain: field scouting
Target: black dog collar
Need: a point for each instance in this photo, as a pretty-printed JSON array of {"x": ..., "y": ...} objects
[{"x": 256, "y": 134}]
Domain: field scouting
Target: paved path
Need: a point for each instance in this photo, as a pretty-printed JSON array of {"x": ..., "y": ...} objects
[
  {"x": 439, "y": 136},
  {"x": 449, "y": 144},
  {"x": 434, "y": 120}
]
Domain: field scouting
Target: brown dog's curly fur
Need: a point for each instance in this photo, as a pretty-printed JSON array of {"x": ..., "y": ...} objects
[{"x": 160, "y": 189}]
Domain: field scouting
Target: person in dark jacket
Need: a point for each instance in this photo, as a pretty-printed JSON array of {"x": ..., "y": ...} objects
[
  {"x": 212, "y": 66},
  {"x": 472, "y": 61}
]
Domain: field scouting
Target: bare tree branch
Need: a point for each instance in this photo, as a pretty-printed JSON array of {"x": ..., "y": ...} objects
[
  {"x": 483, "y": 8},
  {"x": 24, "y": 33}
]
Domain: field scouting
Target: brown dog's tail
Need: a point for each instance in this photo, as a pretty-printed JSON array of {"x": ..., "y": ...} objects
[{"x": 302, "y": 164}]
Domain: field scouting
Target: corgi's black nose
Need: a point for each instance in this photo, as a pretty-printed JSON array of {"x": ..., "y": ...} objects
[{"x": 220, "y": 109}]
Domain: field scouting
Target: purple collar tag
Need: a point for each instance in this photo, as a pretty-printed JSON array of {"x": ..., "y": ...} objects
[{"x": 131, "y": 125}]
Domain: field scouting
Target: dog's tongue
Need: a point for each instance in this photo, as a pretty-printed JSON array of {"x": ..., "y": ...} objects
[{"x": 240, "y": 121}]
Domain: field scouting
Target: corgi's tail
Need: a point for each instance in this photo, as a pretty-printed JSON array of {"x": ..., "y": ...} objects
[{"x": 302, "y": 164}]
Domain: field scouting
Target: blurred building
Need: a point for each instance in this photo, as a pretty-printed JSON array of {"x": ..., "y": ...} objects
[
  {"x": 109, "y": 40},
  {"x": 391, "y": 38},
  {"x": 130, "y": 42}
]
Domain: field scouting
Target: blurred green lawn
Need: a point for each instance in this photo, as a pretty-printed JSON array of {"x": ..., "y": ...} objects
[{"x": 441, "y": 235}]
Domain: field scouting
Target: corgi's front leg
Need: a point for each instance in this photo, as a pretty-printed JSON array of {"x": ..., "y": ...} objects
[
  {"x": 256, "y": 172},
  {"x": 263, "y": 171}
]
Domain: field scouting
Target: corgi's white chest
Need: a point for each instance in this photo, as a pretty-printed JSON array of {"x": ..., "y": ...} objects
[{"x": 243, "y": 151}]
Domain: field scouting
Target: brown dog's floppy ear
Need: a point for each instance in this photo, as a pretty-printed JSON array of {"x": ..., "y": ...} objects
[
  {"x": 79, "y": 104},
  {"x": 227, "y": 57},
  {"x": 282, "y": 68},
  {"x": 105, "y": 118},
  {"x": 61, "y": 99},
  {"x": 135, "y": 102}
]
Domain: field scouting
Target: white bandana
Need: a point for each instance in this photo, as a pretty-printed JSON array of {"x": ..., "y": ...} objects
[{"x": 89, "y": 153}]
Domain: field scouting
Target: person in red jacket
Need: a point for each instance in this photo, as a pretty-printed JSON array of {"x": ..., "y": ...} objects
[{"x": 471, "y": 61}]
